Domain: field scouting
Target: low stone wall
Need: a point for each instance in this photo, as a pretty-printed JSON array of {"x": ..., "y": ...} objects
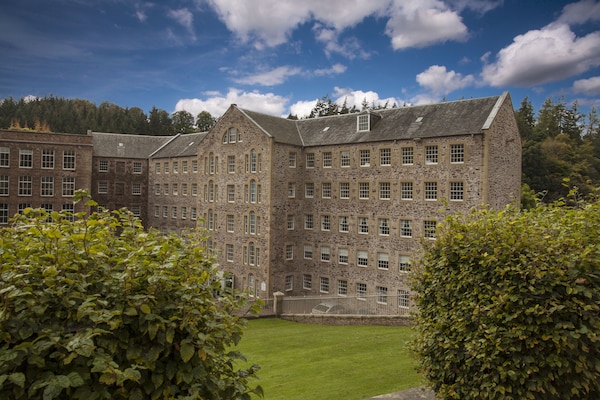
[{"x": 347, "y": 319}]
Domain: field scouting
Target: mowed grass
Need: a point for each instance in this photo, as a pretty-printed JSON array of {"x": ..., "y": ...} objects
[{"x": 320, "y": 362}]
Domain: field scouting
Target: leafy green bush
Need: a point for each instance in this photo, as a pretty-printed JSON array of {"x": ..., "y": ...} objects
[
  {"x": 100, "y": 309},
  {"x": 509, "y": 304}
]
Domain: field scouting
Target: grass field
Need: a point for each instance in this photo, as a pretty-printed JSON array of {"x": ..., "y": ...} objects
[{"x": 318, "y": 362}]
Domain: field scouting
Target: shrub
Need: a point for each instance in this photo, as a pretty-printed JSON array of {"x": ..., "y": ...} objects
[
  {"x": 509, "y": 304},
  {"x": 100, "y": 309}
]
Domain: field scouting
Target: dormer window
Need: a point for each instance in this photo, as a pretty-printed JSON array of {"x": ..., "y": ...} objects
[{"x": 363, "y": 123}]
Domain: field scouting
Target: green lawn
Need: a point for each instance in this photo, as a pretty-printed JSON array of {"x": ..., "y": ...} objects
[{"x": 304, "y": 361}]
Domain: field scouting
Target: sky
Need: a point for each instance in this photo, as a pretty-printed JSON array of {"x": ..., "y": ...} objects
[{"x": 280, "y": 56}]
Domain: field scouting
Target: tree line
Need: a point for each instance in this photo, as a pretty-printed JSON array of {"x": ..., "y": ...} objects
[{"x": 560, "y": 143}]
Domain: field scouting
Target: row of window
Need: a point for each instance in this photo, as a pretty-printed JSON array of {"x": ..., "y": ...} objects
[
  {"x": 5, "y": 210},
  {"x": 383, "y": 260},
  {"x": 176, "y": 212},
  {"x": 386, "y": 157},
  {"x": 26, "y": 184},
  {"x": 103, "y": 166},
  {"x": 176, "y": 189},
  {"x": 252, "y": 192},
  {"x": 250, "y": 254},
  {"x": 431, "y": 190},
  {"x": 174, "y": 167},
  {"x": 252, "y": 162},
  {"x": 47, "y": 160},
  {"x": 119, "y": 188}
]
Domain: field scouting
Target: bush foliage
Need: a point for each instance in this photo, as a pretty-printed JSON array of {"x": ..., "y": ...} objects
[
  {"x": 100, "y": 309},
  {"x": 509, "y": 304}
]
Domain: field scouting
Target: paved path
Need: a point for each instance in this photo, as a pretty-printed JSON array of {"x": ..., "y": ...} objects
[{"x": 419, "y": 393}]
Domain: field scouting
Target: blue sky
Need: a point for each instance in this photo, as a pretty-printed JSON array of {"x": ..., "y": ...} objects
[{"x": 280, "y": 56}]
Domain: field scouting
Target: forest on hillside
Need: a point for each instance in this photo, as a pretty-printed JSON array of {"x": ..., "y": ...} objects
[{"x": 561, "y": 145}]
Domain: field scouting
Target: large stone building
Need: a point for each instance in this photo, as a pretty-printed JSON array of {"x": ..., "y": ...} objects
[{"x": 331, "y": 206}]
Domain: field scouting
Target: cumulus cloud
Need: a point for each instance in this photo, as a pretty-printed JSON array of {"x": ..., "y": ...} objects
[
  {"x": 302, "y": 109},
  {"x": 185, "y": 18},
  {"x": 588, "y": 87},
  {"x": 580, "y": 12},
  {"x": 270, "y": 78},
  {"x": 438, "y": 81},
  {"x": 335, "y": 69},
  {"x": 357, "y": 97},
  {"x": 217, "y": 103}
]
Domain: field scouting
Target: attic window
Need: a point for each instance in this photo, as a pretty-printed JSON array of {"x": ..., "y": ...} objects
[
  {"x": 325, "y": 129},
  {"x": 419, "y": 119},
  {"x": 363, "y": 123},
  {"x": 121, "y": 145},
  {"x": 191, "y": 143}
]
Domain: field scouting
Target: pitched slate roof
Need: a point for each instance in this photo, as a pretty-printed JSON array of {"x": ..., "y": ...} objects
[
  {"x": 125, "y": 145},
  {"x": 427, "y": 121},
  {"x": 185, "y": 145}
]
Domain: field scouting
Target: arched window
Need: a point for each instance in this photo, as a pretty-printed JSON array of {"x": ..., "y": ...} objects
[
  {"x": 252, "y": 160},
  {"x": 252, "y": 223},
  {"x": 211, "y": 191},
  {"x": 211, "y": 163},
  {"x": 251, "y": 253},
  {"x": 232, "y": 135},
  {"x": 252, "y": 191}
]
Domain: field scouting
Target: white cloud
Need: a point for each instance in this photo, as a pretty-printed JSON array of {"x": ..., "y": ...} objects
[
  {"x": 185, "y": 18},
  {"x": 356, "y": 98},
  {"x": 270, "y": 78},
  {"x": 580, "y": 12},
  {"x": 302, "y": 109},
  {"x": 545, "y": 55},
  {"x": 335, "y": 69},
  {"x": 439, "y": 81},
  {"x": 589, "y": 87},
  {"x": 216, "y": 103}
]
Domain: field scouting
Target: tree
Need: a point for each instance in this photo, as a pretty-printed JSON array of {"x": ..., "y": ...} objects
[
  {"x": 101, "y": 309},
  {"x": 205, "y": 121},
  {"x": 509, "y": 306},
  {"x": 183, "y": 122},
  {"x": 525, "y": 119},
  {"x": 159, "y": 123}
]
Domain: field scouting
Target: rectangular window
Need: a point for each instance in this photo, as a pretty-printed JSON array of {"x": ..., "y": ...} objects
[
  {"x": 165, "y": 211},
  {"x": 326, "y": 190},
  {"x": 344, "y": 159},
  {"x": 292, "y": 160},
  {"x": 194, "y": 189},
  {"x": 431, "y": 154},
  {"x": 291, "y": 190},
  {"x": 381, "y": 294},
  {"x": 324, "y": 285},
  {"x": 47, "y": 186},
  {"x": 229, "y": 252},
  {"x": 363, "y": 190},
  {"x": 47, "y": 159},
  {"x": 429, "y": 229},
  {"x": 25, "y": 158},
  {"x": 308, "y": 221},
  {"x": 362, "y": 123},
  {"x": 289, "y": 282},
  {"x": 4, "y": 185},
  {"x": 3, "y": 213},
  {"x": 403, "y": 298},
  {"x": 68, "y": 186},
  {"x": 25, "y": 185},
  {"x": 69, "y": 159},
  {"x": 325, "y": 222},
  {"x": 166, "y": 167},
  {"x": 365, "y": 158},
  {"x": 157, "y": 211},
  {"x": 363, "y": 225},
  {"x": 408, "y": 157},
  {"x": 136, "y": 189},
  {"x": 103, "y": 166},
  {"x": 406, "y": 228},
  {"x": 175, "y": 188},
  {"x": 184, "y": 167},
  {"x": 174, "y": 212},
  {"x": 157, "y": 189},
  {"x": 327, "y": 159},
  {"x": 157, "y": 168},
  {"x": 230, "y": 193},
  {"x": 290, "y": 222},
  {"x": 184, "y": 189},
  {"x": 362, "y": 258},
  {"x": 231, "y": 164},
  {"x": 456, "y": 191},
  {"x": 385, "y": 157},
  {"x": 194, "y": 165},
  {"x": 344, "y": 190},
  {"x": 403, "y": 263},
  {"x": 383, "y": 261},
  {"x": 308, "y": 251},
  {"x": 289, "y": 251},
  {"x": 325, "y": 254},
  {"x": 342, "y": 287},
  {"x": 4, "y": 158},
  {"x": 165, "y": 189},
  {"x": 406, "y": 190},
  {"x": 384, "y": 226},
  {"x": 136, "y": 211},
  {"x": 385, "y": 191},
  {"x": 137, "y": 167},
  {"x": 230, "y": 223},
  {"x": 68, "y": 209},
  {"x": 430, "y": 190},
  {"x": 310, "y": 160},
  {"x": 344, "y": 223},
  {"x": 193, "y": 213},
  {"x": 343, "y": 256},
  {"x": 457, "y": 153},
  {"x": 175, "y": 167},
  {"x": 361, "y": 291},
  {"x": 306, "y": 281},
  {"x": 309, "y": 190}
]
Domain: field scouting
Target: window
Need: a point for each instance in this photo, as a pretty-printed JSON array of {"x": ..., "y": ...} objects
[
  {"x": 136, "y": 211},
  {"x": 327, "y": 159},
  {"x": 306, "y": 281},
  {"x": 157, "y": 211},
  {"x": 157, "y": 189},
  {"x": 68, "y": 186},
  {"x": 384, "y": 226},
  {"x": 174, "y": 212},
  {"x": 431, "y": 154},
  {"x": 175, "y": 188},
  {"x": 430, "y": 190},
  {"x": 406, "y": 190},
  {"x": 407, "y": 156},
  {"x": 381, "y": 294},
  {"x": 231, "y": 136},
  {"x": 385, "y": 191},
  {"x": 184, "y": 167},
  {"x": 383, "y": 261},
  {"x": 429, "y": 229},
  {"x": 193, "y": 213},
  {"x": 309, "y": 190},
  {"x": 457, "y": 153},
  {"x": 363, "y": 225},
  {"x": 253, "y": 191},
  {"x": 22, "y": 206},
  {"x": 326, "y": 190},
  {"x": 405, "y": 228},
  {"x": 103, "y": 166},
  {"x": 289, "y": 282},
  {"x": 385, "y": 157},
  {"x": 289, "y": 251},
  {"x": 136, "y": 189},
  {"x": 290, "y": 222},
  {"x": 175, "y": 167},
  {"x": 194, "y": 189},
  {"x": 48, "y": 208},
  {"x": 403, "y": 263},
  {"x": 48, "y": 159},
  {"x": 231, "y": 164},
  {"x": 344, "y": 223},
  {"x": 291, "y": 190},
  {"x": 363, "y": 190},
  {"x": 308, "y": 221},
  {"x": 229, "y": 252},
  {"x": 4, "y": 185},
  {"x": 456, "y": 191},
  {"x": 194, "y": 165},
  {"x": 230, "y": 193},
  {"x": 4, "y": 158},
  {"x": 344, "y": 190},
  {"x": 403, "y": 298},
  {"x": 252, "y": 160},
  {"x": 137, "y": 167},
  {"x": 69, "y": 209},
  {"x": 252, "y": 218},
  {"x": 25, "y": 158},
  {"x": 343, "y": 256},
  {"x": 165, "y": 211},
  {"x": 165, "y": 189},
  {"x": 342, "y": 287},
  {"x": 230, "y": 223},
  {"x": 292, "y": 160},
  {"x": 47, "y": 186},
  {"x": 362, "y": 258},
  {"x": 365, "y": 158},
  {"x": 166, "y": 167},
  {"x": 308, "y": 251},
  {"x": 251, "y": 254},
  {"x": 324, "y": 285},
  {"x": 25, "y": 185},
  {"x": 325, "y": 222},
  {"x": 362, "y": 123},
  {"x": 361, "y": 291},
  {"x": 69, "y": 159},
  {"x": 184, "y": 189},
  {"x": 325, "y": 254},
  {"x": 3, "y": 213},
  {"x": 211, "y": 191},
  {"x": 157, "y": 168},
  {"x": 310, "y": 160},
  {"x": 344, "y": 159}
]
